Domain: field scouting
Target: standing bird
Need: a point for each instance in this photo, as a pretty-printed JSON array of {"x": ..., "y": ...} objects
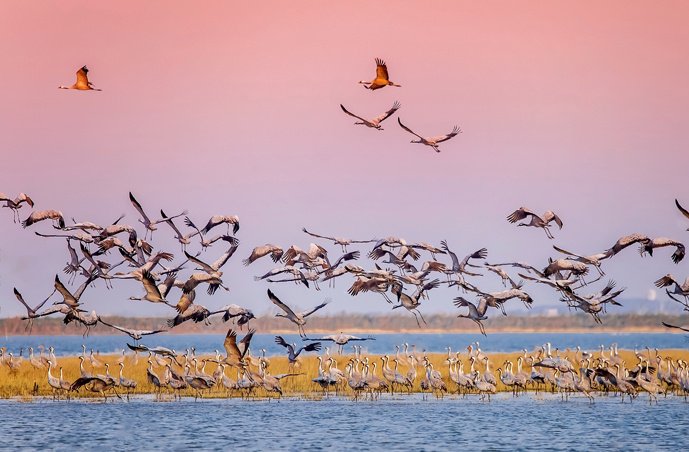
[
  {"x": 382, "y": 79},
  {"x": 375, "y": 122},
  {"x": 431, "y": 141},
  {"x": 82, "y": 83},
  {"x": 293, "y": 352},
  {"x": 537, "y": 221},
  {"x": 299, "y": 318}
]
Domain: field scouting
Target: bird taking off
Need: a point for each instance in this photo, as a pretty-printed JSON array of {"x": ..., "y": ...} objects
[
  {"x": 82, "y": 81},
  {"x": 381, "y": 79}
]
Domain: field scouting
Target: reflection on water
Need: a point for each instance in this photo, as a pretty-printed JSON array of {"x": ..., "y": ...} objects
[
  {"x": 384, "y": 343},
  {"x": 535, "y": 422}
]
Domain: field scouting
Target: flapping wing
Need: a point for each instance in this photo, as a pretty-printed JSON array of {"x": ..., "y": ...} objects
[
  {"x": 21, "y": 299},
  {"x": 520, "y": 214},
  {"x": 684, "y": 211},
  {"x": 396, "y": 106},
  {"x": 118, "y": 328},
  {"x": 138, "y": 207},
  {"x": 230, "y": 345},
  {"x": 69, "y": 299},
  {"x": 223, "y": 259},
  {"x": 276, "y": 301},
  {"x": 381, "y": 69},
  {"x": 440, "y": 139},
  {"x": 408, "y": 129},
  {"x": 207, "y": 268},
  {"x": 320, "y": 306}
]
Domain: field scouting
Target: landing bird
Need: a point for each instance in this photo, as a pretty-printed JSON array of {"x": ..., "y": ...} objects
[
  {"x": 477, "y": 313},
  {"x": 82, "y": 83},
  {"x": 298, "y": 319},
  {"x": 292, "y": 350},
  {"x": 134, "y": 334},
  {"x": 16, "y": 203},
  {"x": 382, "y": 78},
  {"x": 341, "y": 339},
  {"x": 431, "y": 141},
  {"x": 375, "y": 122},
  {"x": 538, "y": 221}
]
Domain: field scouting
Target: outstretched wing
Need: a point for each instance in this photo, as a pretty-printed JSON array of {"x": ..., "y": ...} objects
[
  {"x": 312, "y": 347},
  {"x": 21, "y": 299},
  {"x": 223, "y": 259},
  {"x": 276, "y": 301},
  {"x": 207, "y": 268},
  {"x": 138, "y": 207},
  {"x": 552, "y": 216},
  {"x": 440, "y": 139},
  {"x": 683, "y": 328},
  {"x": 408, "y": 129},
  {"x": 118, "y": 328},
  {"x": 322, "y": 236},
  {"x": 230, "y": 345},
  {"x": 350, "y": 114},
  {"x": 322, "y": 305},
  {"x": 520, "y": 214},
  {"x": 684, "y": 211},
  {"x": 246, "y": 341},
  {"x": 396, "y": 106}
]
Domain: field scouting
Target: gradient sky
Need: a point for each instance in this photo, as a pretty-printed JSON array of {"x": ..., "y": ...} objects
[{"x": 233, "y": 107}]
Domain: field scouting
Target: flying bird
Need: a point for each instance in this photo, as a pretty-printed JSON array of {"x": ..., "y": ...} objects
[
  {"x": 236, "y": 352},
  {"x": 40, "y": 215},
  {"x": 382, "y": 78},
  {"x": 684, "y": 211},
  {"x": 431, "y": 141},
  {"x": 299, "y": 318},
  {"x": 375, "y": 122},
  {"x": 134, "y": 334},
  {"x": 16, "y": 203},
  {"x": 292, "y": 350},
  {"x": 82, "y": 83},
  {"x": 538, "y": 221},
  {"x": 660, "y": 242}
]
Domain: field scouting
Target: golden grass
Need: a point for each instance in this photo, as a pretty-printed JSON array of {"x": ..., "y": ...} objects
[{"x": 28, "y": 381}]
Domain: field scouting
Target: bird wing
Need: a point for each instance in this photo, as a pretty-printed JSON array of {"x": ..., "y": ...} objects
[
  {"x": 322, "y": 236},
  {"x": 69, "y": 299},
  {"x": 138, "y": 207},
  {"x": 520, "y": 214},
  {"x": 21, "y": 300},
  {"x": 207, "y": 268},
  {"x": 569, "y": 253},
  {"x": 312, "y": 347},
  {"x": 479, "y": 254},
  {"x": 683, "y": 328},
  {"x": 230, "y": 345},
  {"x": 552, "y": 216},
  {"x": 119, "y": 328},
  {"x": 396, "y": 106},
  {"x": 322, "y": 305},
  {"x": 170, "y": 223},
  {"x": 381, "y": 69},
  {"x": 665, "y": 281},
  {"x": 246, "y": 340},
  {"x": 222, "y": 259},
  {"x": 150, "y": 285},
  {"x": 684, "y": 211},
  {"x": 453, "y": 256},
  {"x": 408, "y": 129},
  {"x": 440, "y": 139},
  {"x": 357, "y": 117},
  {"x": 82, "y": 78},
  {"x": 276, "y": 301}
]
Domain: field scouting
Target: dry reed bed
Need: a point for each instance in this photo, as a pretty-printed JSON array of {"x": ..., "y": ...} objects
[{"x": 29, "y": 381}]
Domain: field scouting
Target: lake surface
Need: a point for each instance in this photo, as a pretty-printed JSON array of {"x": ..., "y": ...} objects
[
  {"x": 393, "y": 423},
  {"x": 384, "y": 343}
]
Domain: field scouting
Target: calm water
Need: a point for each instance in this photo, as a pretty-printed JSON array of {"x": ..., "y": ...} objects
[
  {"x": 384, "y": 343},
  {"x": 400, "y": 423}
]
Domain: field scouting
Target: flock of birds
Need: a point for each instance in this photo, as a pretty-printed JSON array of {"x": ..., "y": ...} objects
[
  {"x": 584, "y": 373},
  {"x": 116, "y": 252},
  {"x": 381, "y": 80}
]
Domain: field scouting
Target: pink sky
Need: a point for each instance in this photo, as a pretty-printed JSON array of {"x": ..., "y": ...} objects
[{"x": 233, "y": 107}]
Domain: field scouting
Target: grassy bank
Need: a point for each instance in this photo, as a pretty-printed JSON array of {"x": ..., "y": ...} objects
[{"x": 28, "y": 381}]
